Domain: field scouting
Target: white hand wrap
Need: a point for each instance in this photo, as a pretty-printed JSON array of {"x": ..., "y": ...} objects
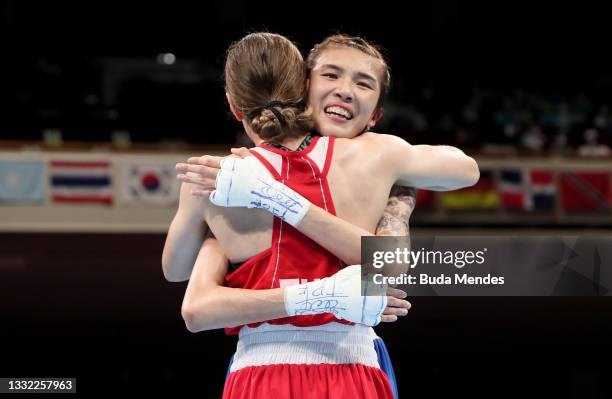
[
  {"x": 247, "y": 183},
  {"x": 339, "y": 294}
]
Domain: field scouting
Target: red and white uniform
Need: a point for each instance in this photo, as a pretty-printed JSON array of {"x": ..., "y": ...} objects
[{"x": 315, "y": 356}]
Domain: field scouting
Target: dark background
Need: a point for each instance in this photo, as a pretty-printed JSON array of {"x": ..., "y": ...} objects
[
  {"x": 96, "y": 307},
  {"x": 56, "y": 57}
]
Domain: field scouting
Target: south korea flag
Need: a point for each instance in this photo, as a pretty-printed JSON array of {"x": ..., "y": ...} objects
[{"x": 149, "y": 183}]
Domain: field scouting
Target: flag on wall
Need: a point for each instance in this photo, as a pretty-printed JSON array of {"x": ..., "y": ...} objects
[
  {"x": 149, "y": 182},
  {"x": 482, "y": 195},
  {"x": 21, "y": 181},
  {"x": 425, "y": 199},
  {"x": 586, "y": 190},
  {"x": 80, "y": 182},
  {"x": 527, "y": 189}
]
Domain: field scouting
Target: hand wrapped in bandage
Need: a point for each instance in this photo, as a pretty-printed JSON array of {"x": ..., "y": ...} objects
[
  {"x": 247, "y": 183},
  {"x": 340, "y": 295}
]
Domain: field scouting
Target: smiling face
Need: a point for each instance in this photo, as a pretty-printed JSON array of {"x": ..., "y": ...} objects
[{"x": 344, "y": 91}]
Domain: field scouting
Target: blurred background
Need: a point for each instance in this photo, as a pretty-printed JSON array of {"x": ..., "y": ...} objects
[{"x": 116, "y": 93}]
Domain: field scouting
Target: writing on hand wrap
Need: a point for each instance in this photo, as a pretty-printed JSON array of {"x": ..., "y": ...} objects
[
  {"x": 324, "y": 298},
  {"x": 271, "y": 196}
]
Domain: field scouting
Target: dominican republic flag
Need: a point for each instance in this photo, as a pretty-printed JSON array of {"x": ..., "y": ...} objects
[
  {"x": 149, "y": 182},
  {"x": 80, "y": 182},
  {"x": 21, "y": 181},
  {"x": 527, "y": 189}
]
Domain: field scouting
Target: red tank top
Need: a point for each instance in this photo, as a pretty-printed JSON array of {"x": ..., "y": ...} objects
[{"x": 292, "y": 257}]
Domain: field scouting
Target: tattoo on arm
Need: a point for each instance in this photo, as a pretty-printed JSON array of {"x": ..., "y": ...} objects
[{"x": 396, "y": 216}]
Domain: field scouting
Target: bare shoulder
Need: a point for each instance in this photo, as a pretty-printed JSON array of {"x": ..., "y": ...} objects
[
  {"x": 386, "y": 137},
  {"x": 392, "y": 149},
  {"x": 384, "y": 152},
  {"x": 372, "y": 141},
  {"x": 380, "y": 138},
  {"x": 387, "y": 141}
]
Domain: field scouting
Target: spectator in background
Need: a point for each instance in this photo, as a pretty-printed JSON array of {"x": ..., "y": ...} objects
[
  {"x": 465, "y": 139},
  {"x": 591, "y": 146},
  {"x": 602, "y": 119},
  {"x": 560, "y": 142},
  {"x": 533, "y": 140},
  {"x": 510, "y": 131}
]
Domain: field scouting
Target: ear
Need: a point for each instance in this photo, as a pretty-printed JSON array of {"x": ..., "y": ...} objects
[
  {"x": 376, "y": 116},
  {"x": 233, "y": 108}
]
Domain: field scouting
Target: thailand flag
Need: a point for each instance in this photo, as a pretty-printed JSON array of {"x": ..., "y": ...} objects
[{"x": 80, "y": 182}]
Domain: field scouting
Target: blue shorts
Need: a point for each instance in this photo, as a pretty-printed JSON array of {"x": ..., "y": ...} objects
[{"x": 385, "y": 364}]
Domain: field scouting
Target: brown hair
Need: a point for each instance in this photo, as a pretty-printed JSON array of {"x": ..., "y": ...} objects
[
  {"x": 362, "y": 45},
  {"x": 265, "y": 76}
]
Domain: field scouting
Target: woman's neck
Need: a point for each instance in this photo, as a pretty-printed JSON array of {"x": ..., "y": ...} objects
[{"x": 293, "y": 142}]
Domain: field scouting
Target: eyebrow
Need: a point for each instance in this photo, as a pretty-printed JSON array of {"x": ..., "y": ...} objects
[{"x": 360, "y": 75}]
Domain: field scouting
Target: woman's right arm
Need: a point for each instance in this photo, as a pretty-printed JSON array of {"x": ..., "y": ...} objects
[
  {"x": 188, "y": 256},
  {"x": 184, "y": 238},
  {"x": 208, "y": 304}
]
